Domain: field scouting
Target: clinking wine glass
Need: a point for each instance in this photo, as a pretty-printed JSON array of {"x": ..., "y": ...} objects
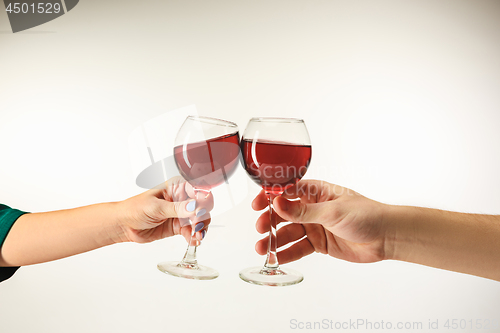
[
  {"x": 276, "y": 153},
  {"x": 206, "y": 153}
]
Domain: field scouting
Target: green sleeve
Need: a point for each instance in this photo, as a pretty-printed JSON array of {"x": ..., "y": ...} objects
[{"x": 8, "y": 217}]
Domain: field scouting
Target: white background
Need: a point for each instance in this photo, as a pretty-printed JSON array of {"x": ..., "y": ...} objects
[{"x": 401, "y": 99}]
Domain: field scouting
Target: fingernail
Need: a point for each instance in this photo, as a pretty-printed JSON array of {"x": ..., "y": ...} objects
[
  {"x": 203, "y": 233},
  {"x": 199, "y": 226},
  {"x": 191, "y": 206},
  {"x": 202, "y": 212}
]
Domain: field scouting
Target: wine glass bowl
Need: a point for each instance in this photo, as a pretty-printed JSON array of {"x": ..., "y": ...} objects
[
  {"x": 208, "y": 164},
  {"x": 277, "y": 165},
  {"x": 206, "y": 153},
  {"x": 276, "y": 153}
]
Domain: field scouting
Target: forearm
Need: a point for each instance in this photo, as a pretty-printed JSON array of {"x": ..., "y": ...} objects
[
  {"x": 467, "y": 243},
  {"x": 41, "y": 237}
]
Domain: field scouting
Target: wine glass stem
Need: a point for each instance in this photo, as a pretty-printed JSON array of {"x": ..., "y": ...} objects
[
  {"x": 190, "y": 255},
  {"x": 272, "y": 258}
]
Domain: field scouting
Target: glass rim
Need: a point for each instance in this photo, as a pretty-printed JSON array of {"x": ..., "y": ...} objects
[
  {"x": 213, "y": 121},
  {"x": 276, "y": 120}
]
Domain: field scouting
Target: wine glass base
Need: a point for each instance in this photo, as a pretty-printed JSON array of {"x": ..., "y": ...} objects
[
  {"x": 271, "y": 277},
  {"x": 188, "y": 271}
]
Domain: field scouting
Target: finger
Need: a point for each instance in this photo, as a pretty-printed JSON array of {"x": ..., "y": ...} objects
[
  {"x": 185, "y": 231},
  {"x": 184, "y": 222},
  {"x": 189, "y": 190},
  {"x": 205, "y": 218},
  {"x": 201, "y": 224},
  {"x": 296, "y": 251},
  {"x": 286, "y": 234},
  {"x": 200, "y": 235},
  {"x": 262, "y": 245},
  {"x": 181, "y": 190},
  {"x": 201, "y": 203},
  {"x": 315, "y": 191},
  {"x": 296, "y": 211},
  {"x": 200, "y": 230},
  {"x": 317, "y": 236},
  {"x": 193, "y": 208},
  {"x": 289, "y": 233},
  {"x": 195, "y": 193},
  {"x": 304, "y": 189},
  {"x": 260, "y": 202},
  {"x": 201, "y": 227},
  {"x": 174, "y": 189},
  {"x": 180, "y": 209},
  {"x": 263, "y": 223},
  {"x": 204, "y": 200}
]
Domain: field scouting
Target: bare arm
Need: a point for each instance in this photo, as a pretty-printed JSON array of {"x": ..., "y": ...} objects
[
  {"x": 41, "y": 237},
  {"x": 152, "y": 215},
  {"x": 344, "y": 224},
  {"x": 466, "y": 243}
]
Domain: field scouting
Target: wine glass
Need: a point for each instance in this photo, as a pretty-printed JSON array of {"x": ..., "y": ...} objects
[
  {"x": 276, "y": 153},
  {"x": 206, "y": 153}
]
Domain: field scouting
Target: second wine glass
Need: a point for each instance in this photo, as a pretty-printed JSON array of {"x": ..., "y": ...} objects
[
  {"x": 206, "y": 153},
  {"x": 276, "y": 154}
]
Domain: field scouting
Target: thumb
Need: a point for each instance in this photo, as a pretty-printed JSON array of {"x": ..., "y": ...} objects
[
  {"x": 295, "y": 211},
  {"x": 180, "y": 209}
]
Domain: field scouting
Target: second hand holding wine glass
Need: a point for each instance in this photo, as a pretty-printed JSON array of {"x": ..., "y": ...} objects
[
  {"x": 206, "y": 153},
  {"x": 276, "y": 153}
]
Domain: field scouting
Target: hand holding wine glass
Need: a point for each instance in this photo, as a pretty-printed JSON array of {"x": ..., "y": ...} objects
[
  {"x": 206, "y": 153},
  {"x": 328, "y": 219},
  {"x": 165, "y": 211},
  {"x": 337, "y": 221},
  {"x": 155, "y": 214},
  {"x": 276, "y": 153}
]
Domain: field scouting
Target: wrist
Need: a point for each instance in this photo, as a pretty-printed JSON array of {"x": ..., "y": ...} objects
[
  {"x": 400, "y": 231},
  {"x": 117, "y": 227}
]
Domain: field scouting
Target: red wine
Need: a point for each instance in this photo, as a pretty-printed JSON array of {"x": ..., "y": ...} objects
[
  {"x": 208, "y": 164},
  {"x": 275, "y": 165}
]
